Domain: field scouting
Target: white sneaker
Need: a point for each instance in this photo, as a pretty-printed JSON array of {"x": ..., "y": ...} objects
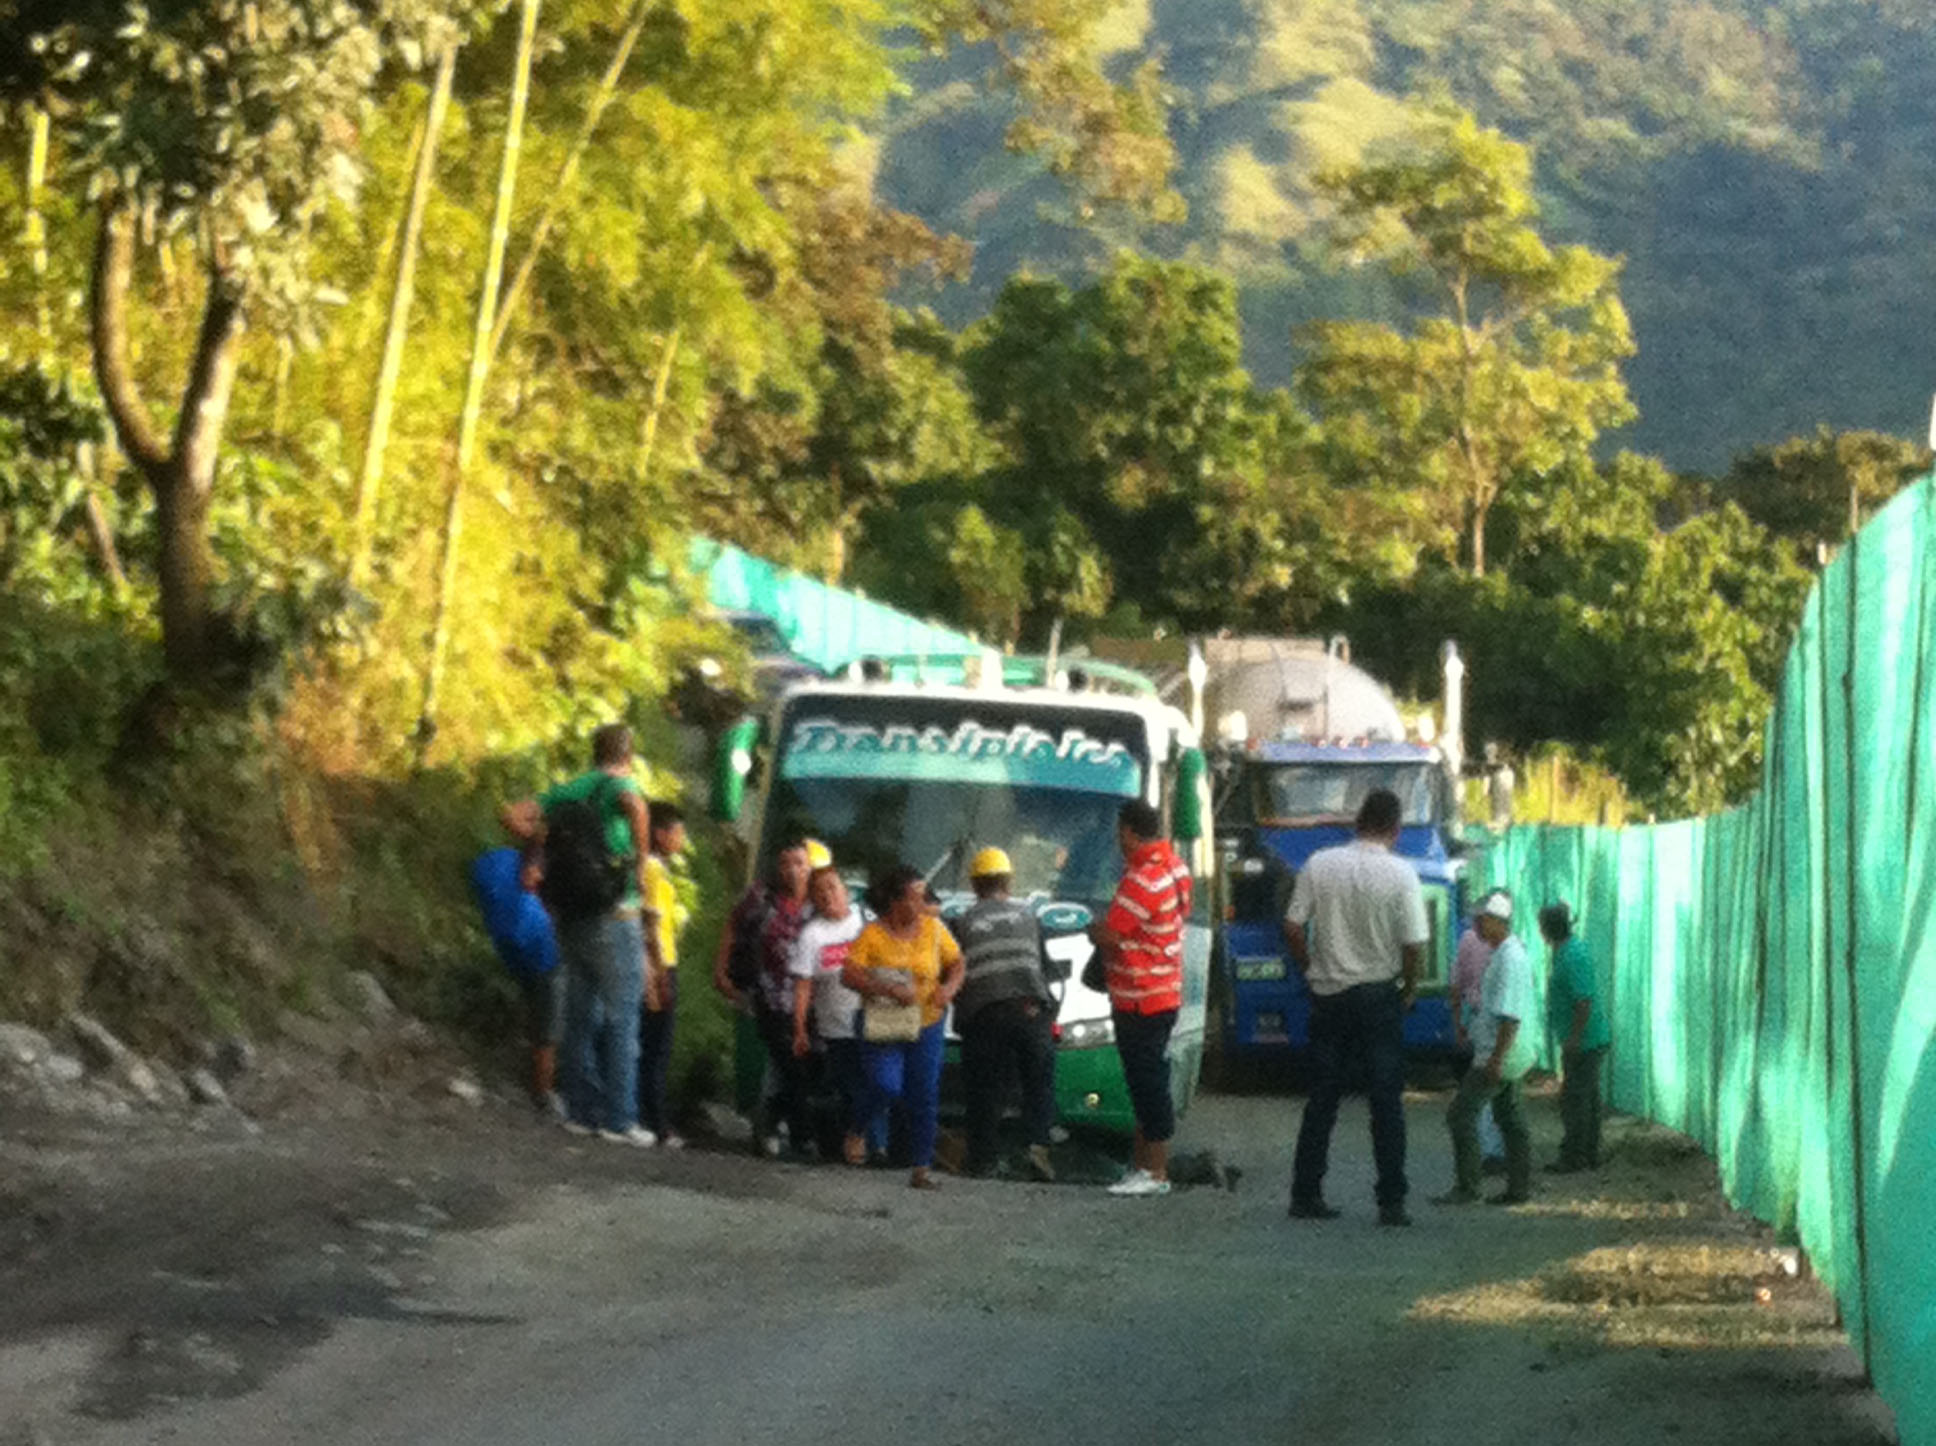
[
  {"x": 670, "y": 1141},
  {"x": 572, "y": 1127},
  {"x": 1140, "y": 1182},
  {"x": 638, "y": 1135}
]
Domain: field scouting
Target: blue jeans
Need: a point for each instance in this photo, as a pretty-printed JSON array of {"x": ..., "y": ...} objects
[
  {"x": 1365, "y": 1023},
  {"x": 911, "y": 1073},
  {"x": 849, "y": 1079},
  {"x": 604, "y": 964}
]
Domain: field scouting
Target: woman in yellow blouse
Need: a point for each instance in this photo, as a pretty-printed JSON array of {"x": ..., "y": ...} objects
[{"x": 905, "y": 957}]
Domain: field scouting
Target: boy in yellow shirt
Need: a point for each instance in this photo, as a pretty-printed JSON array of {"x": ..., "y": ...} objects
[{"x": 662, "y": 915}]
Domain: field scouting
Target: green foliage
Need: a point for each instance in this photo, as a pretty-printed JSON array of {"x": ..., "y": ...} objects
[
  {"x": 47, "y": 424},
  {"x": 1754, "y": 163},
  {"x": 1815, "y": 492},
  {"x": 1511, "y": 368}
]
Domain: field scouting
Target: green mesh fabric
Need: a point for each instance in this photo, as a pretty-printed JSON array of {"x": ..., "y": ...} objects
[
  {"x": 825, "y": 625},
  {"x": 1772, "y": 971}
]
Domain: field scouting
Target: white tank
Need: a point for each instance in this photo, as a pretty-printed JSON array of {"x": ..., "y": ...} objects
[{"x": 1295, "y": 688}]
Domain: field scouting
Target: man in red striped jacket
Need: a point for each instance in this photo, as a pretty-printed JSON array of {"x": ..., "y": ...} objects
[{"x": 1141, "y": 939}]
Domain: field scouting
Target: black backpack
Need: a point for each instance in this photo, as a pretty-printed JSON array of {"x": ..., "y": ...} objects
[
  {"x": 582, "y": 877},
  {"x": 747, "y": 959}
]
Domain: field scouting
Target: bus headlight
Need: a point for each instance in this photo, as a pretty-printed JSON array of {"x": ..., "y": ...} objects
[{"x": 1089, "y": 1033}]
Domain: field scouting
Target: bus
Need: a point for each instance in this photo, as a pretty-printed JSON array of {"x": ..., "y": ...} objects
[{"x": 926, "y": 760}]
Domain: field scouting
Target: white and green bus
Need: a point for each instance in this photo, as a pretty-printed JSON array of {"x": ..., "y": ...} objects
[{"x": 924, "y": 761}]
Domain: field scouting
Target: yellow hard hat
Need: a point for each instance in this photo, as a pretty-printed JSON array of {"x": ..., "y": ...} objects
[
  {"x": 819, "y": 856},
  {"x": 988, "y": 863}
]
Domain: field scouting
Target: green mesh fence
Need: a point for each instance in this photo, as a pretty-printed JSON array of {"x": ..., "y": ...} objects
[
  {"x": 827, "y": 626},
  {"x": 1772, "y": 971}
]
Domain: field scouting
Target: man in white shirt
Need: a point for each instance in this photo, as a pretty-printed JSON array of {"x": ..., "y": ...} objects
[
  {"x": 1356, "y": 929},
  {"x": 1501, "y": 1054}
]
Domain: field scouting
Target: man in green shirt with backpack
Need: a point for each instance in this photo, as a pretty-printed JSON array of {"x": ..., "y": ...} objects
[{"x": 587, "y": 835}]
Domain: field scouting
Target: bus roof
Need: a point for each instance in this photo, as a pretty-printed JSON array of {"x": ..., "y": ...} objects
[{"x": 1143, "y": 704}]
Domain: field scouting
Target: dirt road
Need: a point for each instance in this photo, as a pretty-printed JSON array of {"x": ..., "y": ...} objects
[{"x": 472, "y": 1278}]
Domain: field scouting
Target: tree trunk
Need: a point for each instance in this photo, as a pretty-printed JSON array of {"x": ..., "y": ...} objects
[
  {"x": 383, "y": 403},
  {"x": 474, "y": 388},
  {"x": 1476, "y": 536},
  {"x": 182, "y": 475}
]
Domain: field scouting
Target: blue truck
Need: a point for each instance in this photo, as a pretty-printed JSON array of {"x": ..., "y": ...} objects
[{"x": 1303, "y": 737}]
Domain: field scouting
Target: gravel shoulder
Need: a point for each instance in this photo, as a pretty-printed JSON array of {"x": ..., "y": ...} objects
[{"x": 450, "y": 1273}]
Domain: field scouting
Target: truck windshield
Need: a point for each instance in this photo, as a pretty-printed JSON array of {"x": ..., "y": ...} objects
[
  {"x": 1332, "y": 792},
  {"x": 885, "y": 779}
]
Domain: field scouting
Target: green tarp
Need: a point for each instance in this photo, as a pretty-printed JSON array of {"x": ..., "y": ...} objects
[
  {"x": 825, "y": 625},
  {"x": 1772, "y": 970}
]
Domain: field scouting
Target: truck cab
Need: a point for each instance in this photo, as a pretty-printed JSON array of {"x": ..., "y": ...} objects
[
  {"x": 1277, "y": 804},
  {"x": 1304, "y": 737}
]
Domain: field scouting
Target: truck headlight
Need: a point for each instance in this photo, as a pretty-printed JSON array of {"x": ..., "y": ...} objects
[{"x": 1088, "y": 1033}]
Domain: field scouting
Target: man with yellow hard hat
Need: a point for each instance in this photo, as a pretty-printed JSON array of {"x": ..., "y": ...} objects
[{"x": 1005, "y": 1014}]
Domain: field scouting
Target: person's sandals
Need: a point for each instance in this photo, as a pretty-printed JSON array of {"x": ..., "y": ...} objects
[{"x": 853, "y": 1150}]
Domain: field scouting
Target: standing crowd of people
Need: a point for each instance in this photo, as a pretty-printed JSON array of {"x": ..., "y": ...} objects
[
  {"x": 852, "y": 1009},
  {"x": 1357, "y": 930}
]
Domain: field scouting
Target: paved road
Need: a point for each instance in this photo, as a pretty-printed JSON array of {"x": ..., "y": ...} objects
[{"x": 487, "y": 1283}]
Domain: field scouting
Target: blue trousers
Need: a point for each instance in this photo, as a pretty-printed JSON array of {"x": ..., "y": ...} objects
[
  {"x": 910, "y": 1073},
  {"x": 604, "y": 964}
]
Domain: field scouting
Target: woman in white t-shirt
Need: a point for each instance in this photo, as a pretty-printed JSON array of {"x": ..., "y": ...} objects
[{"x": 824, "y": 1007}]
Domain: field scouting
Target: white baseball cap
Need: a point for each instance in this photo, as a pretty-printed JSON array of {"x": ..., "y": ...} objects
[{"x": 1498, "y": 905}]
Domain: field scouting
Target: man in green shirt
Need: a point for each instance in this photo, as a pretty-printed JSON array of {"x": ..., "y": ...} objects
[
  {"x": 1577, "y": 1021},
  {"x": 602, "y": 950}
]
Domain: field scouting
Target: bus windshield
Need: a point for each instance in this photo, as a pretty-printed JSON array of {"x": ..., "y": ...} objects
[
  {"x": 928, "y": 781},
  {"x": 1061, "y": 842}
]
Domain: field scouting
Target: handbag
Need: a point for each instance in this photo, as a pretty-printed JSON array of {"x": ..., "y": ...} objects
[{"x": 886, "y": 1021}]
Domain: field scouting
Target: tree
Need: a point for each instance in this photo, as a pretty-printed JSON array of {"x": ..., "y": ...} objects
[
  {"x": 1511, "y": 367},
  {"x": 1128, "y": 419},
  {"x": 1815, "y": 492},
  {"x": 1109, "y": 138},
  {"x": 234, "y": 125}
]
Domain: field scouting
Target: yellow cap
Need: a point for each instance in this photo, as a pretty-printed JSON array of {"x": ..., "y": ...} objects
[
  {"x": 819, "y": 856},
  {"x": 988, "y": 863}
]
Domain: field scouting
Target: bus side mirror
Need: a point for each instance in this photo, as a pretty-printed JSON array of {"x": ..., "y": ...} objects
[
  {"x": 732, "y": 767},
  {"x": 1186, "y": 814}
]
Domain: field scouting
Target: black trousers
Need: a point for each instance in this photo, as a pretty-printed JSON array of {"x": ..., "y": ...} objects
[
  {"x": 1009, "y": 1032},
  {"x": 1364, "y": 1024},
  {"x": 792, "y": 1099},
  {"x": 1580, "y": 1108},
  {"x": 1143, "y": 1043}
]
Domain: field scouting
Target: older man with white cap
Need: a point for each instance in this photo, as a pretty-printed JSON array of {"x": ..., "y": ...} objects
[{"x": 1501, "y": 1055}]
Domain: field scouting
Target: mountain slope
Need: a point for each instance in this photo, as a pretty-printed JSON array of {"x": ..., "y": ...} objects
[{"x": 1768, "y": 171}]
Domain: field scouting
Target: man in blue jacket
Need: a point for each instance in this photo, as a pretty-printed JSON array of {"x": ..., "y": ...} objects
[{"x": 520, "y": 930}]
